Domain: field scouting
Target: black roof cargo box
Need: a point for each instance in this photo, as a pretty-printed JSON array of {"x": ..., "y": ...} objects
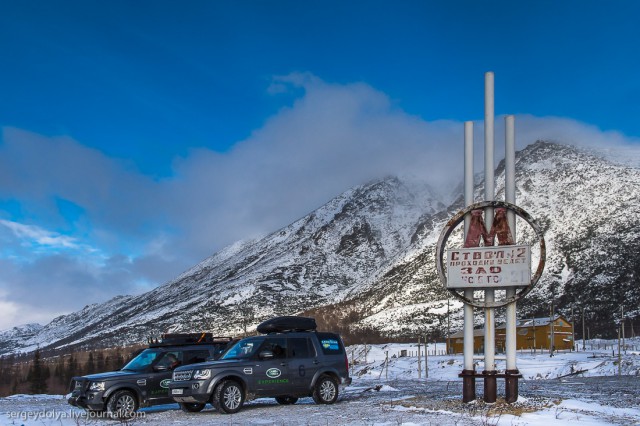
[{"x": 282, "y": 324}]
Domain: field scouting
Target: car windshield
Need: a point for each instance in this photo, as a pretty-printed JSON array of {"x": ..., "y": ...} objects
[
  {"x": 245, "y": 348},
  {"x": 143, "y": 360}
]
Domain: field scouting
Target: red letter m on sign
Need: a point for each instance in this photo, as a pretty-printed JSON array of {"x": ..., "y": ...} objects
[{"x": 478, "y": 230}]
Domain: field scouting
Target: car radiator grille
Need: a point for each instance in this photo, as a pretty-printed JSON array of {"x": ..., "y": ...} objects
[
  {"x": 79, "y": 385},
  {"x": 180, "y": 376}
]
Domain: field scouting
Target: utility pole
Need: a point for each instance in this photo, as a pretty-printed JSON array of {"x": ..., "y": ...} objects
[
  {"x": 584, "y": 336},
  {"x": 622, "y": 325},
  {"x": 386, "y": 365},
  {"x": 535, "y": 348},
  {"x": 619, "y": 355},
  {"x": 552, "y": 341},
  {"x": 448, "y": 327},
  {"x": 573, "y": 330},
  {"x": 419, "y": 360},
  {"x": 426, "y": 358}
]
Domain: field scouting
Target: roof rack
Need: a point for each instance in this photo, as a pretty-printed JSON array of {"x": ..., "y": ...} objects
[{"x": 176, "y": 339}]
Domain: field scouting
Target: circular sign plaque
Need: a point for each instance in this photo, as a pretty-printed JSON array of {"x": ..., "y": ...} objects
[{"x": 453, "y": 224}]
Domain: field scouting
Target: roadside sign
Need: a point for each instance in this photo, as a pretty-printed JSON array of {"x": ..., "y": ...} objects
[{"x": 489, "y": 267}]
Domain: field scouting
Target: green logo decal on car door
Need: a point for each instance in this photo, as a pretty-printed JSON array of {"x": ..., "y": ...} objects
[{"x": 273, "y": 373}]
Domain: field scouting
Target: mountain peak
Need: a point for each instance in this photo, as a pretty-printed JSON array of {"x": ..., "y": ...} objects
[{"x": 365, "y": 260}]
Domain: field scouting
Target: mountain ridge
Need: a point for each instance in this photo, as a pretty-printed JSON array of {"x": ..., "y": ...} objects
[{"x": 365, "y": 260}]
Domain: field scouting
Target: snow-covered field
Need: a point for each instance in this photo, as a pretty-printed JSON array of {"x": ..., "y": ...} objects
[{"x": 395, "y": 393}]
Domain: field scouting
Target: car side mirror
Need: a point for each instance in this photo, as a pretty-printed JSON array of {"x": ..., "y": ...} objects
[
  {"x": 266, "y": 354},
  {"x": 159, "y": 368}
]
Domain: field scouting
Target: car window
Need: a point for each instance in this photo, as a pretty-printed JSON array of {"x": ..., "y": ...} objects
[
  {"x": 330, "y": 343},
  {"x": 143, "y": 360},
  {"x": 299, "y": 347},
  {"x": 191, "y": 357},
  {"x": 277, "y": 345},
  {"x": 170, "y": 360},
  {"x": 245, "y": 348}
]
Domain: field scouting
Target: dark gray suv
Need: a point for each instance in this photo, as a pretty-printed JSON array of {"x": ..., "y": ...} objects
[
  {"x": 143, "y": 381},
  {"x": 290, "y": 362}
]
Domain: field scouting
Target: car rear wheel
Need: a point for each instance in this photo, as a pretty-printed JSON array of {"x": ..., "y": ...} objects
[
  {"x": 325, "y": 391},
  {"x": 228, "y": 397},
  {"x": 191, "y": 407},
  {"x": 286, "y": 400},
  {"x": 122, "y": 404}
]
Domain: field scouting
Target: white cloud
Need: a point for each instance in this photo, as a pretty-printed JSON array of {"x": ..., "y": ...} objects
[
  {"x": 329, "y": 139},
  {"x": 35, "y": 235}
]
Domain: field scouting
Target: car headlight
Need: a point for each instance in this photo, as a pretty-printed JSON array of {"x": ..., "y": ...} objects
[
  {"x": 96, "y": 386},
  {"x": 201, "y": 374}
]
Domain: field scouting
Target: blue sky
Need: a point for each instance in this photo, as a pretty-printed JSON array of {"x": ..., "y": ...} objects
[{"x": 139, "y": 137}]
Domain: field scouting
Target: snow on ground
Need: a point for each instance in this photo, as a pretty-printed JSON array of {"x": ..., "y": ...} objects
[
  {"x": 394, "y": 393},
  {"x": 599, "y": 359}
]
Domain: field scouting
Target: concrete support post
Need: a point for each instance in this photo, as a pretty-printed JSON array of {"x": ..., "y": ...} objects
[
  {"x": 512, "y": 373},
  {"x": 468, "y": 372},
  {"x": 489, "y": 195}
]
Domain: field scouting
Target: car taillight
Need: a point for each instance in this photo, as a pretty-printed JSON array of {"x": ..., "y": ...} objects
[{"x": 346, "y": 362}]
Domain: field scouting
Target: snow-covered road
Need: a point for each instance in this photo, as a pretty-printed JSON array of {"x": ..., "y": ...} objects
[{"x": 589, "y": 400}]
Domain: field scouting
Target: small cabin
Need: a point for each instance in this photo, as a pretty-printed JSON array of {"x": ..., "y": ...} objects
[{"x": 531, "y": 333}]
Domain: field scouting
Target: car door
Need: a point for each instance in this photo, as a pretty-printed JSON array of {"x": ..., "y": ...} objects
[
  {"x": 302, "y": 362},
  {"x": 158, "y": 382},
  {"x": 272, "y": 375}
]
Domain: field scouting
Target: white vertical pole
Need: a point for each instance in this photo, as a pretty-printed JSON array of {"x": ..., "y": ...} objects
[
  {"x": 468, "y": 171},
  {"x": 489, "y": 194},
  {"x": 419, "y": 358},
  {"x": 619, "y": 355},
  {"x": 386, "y": 365},
  {"x": 622, "y": 323},
  {"x": 510, "y": 197},
  {"x": 468, "y": 200},
  {"x": 584, "y": 336},
  {"x": 426, "y": 357}
]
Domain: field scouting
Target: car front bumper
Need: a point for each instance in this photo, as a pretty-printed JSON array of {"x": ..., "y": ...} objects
[
  {"x": 90, "y": 401},
  {"x": 190, "y": 391}
]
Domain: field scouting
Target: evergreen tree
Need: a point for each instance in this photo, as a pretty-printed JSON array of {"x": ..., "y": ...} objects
[
  {"x": 72, "y": 369},
  {"x": 37, "y": 375},
  {"x": 100, "y": 362},
  {"x": 119, "y": 360},
  {"x": 58, "y": 372},
  {"x": 90, "y": 367},
  {"x": 46, "y": 375}
]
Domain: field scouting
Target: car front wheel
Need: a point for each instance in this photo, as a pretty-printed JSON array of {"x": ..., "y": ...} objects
[
  {"x": 228, "y": 397},
  {"x": 122, "y": 404},
  {"x": 325, "y": 391}
]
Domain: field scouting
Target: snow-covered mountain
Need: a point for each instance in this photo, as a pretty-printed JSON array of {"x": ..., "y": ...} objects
[
  {"x": 588, "y": 208},
  {"x": 366, "y": 259}
]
